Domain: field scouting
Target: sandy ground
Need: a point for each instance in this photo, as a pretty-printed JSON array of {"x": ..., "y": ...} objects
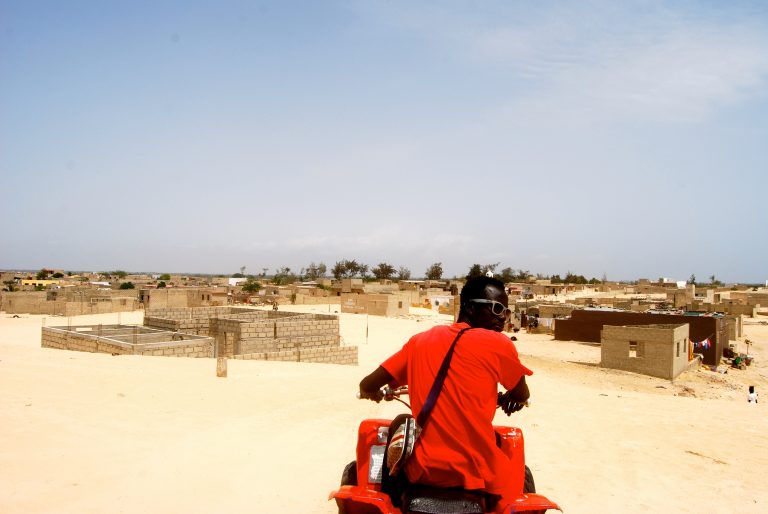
[{"x": 92, "y": 433}]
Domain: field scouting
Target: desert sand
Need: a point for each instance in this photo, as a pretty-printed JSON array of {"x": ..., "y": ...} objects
[{"x": 93, "y": 433}]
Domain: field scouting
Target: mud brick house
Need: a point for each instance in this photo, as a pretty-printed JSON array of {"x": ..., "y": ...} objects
[
  {"x": 586, "y": 325},
  {"x": 656, "y": 350}
]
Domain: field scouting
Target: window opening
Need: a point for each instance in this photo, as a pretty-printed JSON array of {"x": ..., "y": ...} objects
[{"x": 636, "y": 350}]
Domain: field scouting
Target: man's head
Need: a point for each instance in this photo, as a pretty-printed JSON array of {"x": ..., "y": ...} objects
[{"x": 484, "y": 303}]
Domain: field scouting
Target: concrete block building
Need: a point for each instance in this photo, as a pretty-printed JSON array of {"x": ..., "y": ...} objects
[
  {"x": 126, "y": 340},
  {"x": 656, "y": 350},
  {"x": 69, "y": 302},
  {"x": 183, "y": 297},
  {"x": 376, "y": 304},
  {"x": 212, "y": 332},
  {"x": 242, "y": 333},
  {"x": 586, "y": 325}
]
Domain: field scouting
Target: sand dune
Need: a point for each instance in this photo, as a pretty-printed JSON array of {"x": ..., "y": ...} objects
[{"x": 92, "y": 433}]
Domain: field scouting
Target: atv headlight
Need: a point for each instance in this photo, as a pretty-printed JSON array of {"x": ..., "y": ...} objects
[{"x": 376, "y": 464}]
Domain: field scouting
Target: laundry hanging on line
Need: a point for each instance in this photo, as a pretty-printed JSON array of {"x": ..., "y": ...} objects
[{"x": 701, "y": 345}]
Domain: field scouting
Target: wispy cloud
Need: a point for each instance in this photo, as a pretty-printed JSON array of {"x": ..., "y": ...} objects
[
  {"x": 682, "y": 75},
  {"x": 650, "y": 62}
]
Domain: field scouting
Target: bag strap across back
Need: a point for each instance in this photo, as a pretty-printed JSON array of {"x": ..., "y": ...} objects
[{"x": 437, "y": 386}]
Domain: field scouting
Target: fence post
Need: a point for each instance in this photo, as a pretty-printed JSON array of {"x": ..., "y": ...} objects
[{"x": 221, "y": 367}]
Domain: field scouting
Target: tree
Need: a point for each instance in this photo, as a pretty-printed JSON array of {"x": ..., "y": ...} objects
[
  {"x": 251, "y": 285},
  {"x": 242, "y": 270},
  {"x": 238, "y": 275},
  {"x": 555, "y": 279},
  {"x": 58, "y": 274},
  {"x": 475, "y": 271},
  {"x": 692, "y": 279},
  {"x": 165, "y": 276},
  {"x": 127, "y": 285},
  {"x": 383, "y": 271},
  {"x": 352, "y": 268},
  {"x": 119, "y": 274},
  {"x": 161, "y": 285},
  {"x": 348, "y": 269},
  {"x": 507, "y": 275},
  {"x": 403, "y": 273},
  {"x": 42, "y": 274},
  {"x": 284, "y": 277},
  {"x": 315, "y": 271},
  {"x": 338, "y": 270},
  {"x": 435, "y": 271},
  {"x": 571, "y": 278}
]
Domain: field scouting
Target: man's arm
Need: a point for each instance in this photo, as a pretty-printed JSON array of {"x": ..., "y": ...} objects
[
  {"x": 370, "y": 386},
  {"x": 514, "y": 399}
]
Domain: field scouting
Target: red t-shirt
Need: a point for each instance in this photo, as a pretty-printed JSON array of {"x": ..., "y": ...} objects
[{"x": 457, "y": 447}]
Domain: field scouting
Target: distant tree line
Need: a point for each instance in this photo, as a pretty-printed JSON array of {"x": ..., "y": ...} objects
[{"x": 351, "y": 268}]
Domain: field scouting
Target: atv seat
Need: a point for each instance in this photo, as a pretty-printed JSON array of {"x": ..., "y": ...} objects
[{"x": 432, "y": 500}]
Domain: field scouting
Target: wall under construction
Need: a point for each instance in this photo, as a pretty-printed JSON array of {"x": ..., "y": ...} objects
[
  {"x": 127, "y": 340},
  {"x": 243, "y": 333}
]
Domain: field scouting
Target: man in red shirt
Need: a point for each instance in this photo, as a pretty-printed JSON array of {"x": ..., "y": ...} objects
[{"x": 457, "y": 447}]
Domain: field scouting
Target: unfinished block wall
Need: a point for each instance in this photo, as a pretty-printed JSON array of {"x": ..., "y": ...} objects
[
  {"x": 259, "y": 334},
  {"x": 299, "y": 338},
  {"x": 193, "y": 320},
  {"x": 128, "y": 342},
  {"x": 311, "y": 331}
]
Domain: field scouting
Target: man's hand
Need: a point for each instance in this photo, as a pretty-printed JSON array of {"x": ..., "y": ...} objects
[
  {"x": 370, "y": 386},
  {"x": 514, "y": 399},
  {"x": 509, "y": 403},
  {"x": 375, "y": 395}
]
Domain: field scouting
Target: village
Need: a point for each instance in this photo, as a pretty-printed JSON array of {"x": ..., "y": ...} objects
[
  {"x": 658, "y": 328},
  {"x": 627, "y": 374}
]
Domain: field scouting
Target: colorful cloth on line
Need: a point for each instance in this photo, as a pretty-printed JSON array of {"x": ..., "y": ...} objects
[{"x": 701, "y": 345}]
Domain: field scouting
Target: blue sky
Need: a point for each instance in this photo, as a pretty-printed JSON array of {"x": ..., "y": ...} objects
[{"x": 625, "y": 138}]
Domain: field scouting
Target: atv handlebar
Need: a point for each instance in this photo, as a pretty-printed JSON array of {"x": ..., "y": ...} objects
[
  {"x": 390, "y": 394},
  {"x": 526, "y": 403}
]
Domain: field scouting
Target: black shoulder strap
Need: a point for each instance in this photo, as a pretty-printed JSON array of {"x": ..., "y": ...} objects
[{"x": 437, "y": 386}]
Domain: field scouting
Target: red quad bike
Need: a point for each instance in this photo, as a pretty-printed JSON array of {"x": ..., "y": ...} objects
[{"x": 361, "y": 482}]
